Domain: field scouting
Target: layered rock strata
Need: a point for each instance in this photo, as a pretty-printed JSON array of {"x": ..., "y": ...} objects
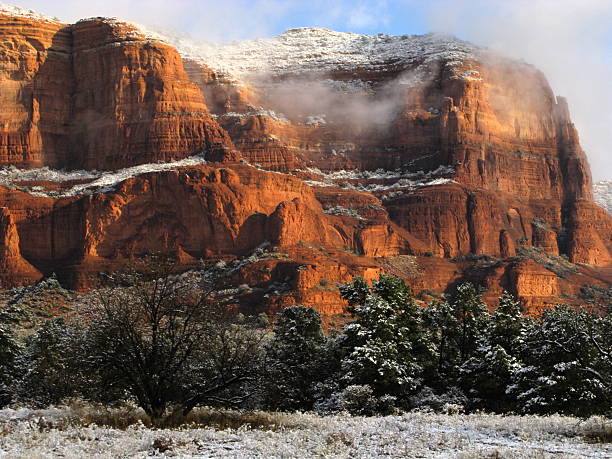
[{"x": 422, "y": 156}]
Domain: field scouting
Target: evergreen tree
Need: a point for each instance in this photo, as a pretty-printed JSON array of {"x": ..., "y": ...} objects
[
  {"x": 568, "y": 364},
  {"x": 53, "y": 358},
  {"x": 458, "y": 329},
  {"x": 443, "y": 327},
  {"x": 472, "y": 315},
  {"x": 385, "y": 346},
  {"x": 486, "y": 375},
  {"x": 296, "y": 360},
  {"x": 508, "y": 325},
  {"x": 10, "y": 355}
]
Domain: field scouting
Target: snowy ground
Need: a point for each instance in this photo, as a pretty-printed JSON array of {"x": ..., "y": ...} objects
[{"x": 24, "y": 435}]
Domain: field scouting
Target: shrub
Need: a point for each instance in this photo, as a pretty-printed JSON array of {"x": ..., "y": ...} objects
[
  {"x": 453, "y": 400},
  {"x": 170, "y": 343}
]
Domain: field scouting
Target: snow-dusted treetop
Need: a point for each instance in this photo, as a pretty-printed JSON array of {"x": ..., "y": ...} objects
[
  {"x": 315, "y": 49},
  {"x": 25, "y": 13}
]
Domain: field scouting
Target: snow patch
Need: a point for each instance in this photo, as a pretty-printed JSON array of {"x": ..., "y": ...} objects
[
  {"x": 255, "y": 111},
  {"x": 310, "y": 49},
  {"x": 425, "y": 435},
  {"x": 315, "y": 120},
  {"x": 404, "y": 180},
  {"x": 101, "y": 181},
  {"x": 26, "y": 13},
  {"x": 470, "y": 75},
  {"x": 343, "y": 211},
  {"x": 603, "y": 194}
]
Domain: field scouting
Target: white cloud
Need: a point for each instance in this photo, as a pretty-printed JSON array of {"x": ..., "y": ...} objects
[{"x": 368, "y": 14}]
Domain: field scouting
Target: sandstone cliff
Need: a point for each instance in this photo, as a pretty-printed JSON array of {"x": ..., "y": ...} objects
[
  {"x": 422, "y": 156},
  {"x": 97, "y": 95}
]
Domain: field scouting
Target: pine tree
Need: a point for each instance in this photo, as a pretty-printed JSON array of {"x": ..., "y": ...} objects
[
  {"x": 53, "y": 359},
  {"x": 486, "y": 375},
  {"x": 568, "y": 364},
  {"x": 472, "y": 315},
  {"x": 443, "y": 327},
  {"x": 458, "y": 328},
  {"x": 385, "y": 345},
  {"x": 10, "y": 353},
  {"x": 507, "y": 324},
  {"x": 296, "y": 359}
]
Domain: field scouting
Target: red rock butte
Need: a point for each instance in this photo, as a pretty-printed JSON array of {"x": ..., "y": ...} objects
[{"x": 421, "y": 156}]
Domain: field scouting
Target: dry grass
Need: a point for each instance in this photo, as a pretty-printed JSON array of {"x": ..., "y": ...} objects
[
  {"x": 597, "y": 429},
  {"x": 122, "y": 417}
]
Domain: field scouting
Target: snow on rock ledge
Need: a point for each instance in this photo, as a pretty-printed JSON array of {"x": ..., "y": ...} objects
[
  {"x": 25, "y": 13},
  {"x": 310, "y": 49},
  {"x": 98, "y": 181},
  {"x": 603, "y": 194}
]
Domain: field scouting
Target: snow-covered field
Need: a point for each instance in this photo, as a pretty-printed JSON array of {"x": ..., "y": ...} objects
[{"x": 24, "y": 435}]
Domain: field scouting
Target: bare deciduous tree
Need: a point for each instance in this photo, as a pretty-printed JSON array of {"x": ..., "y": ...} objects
[{"x": 169, "y": 341}]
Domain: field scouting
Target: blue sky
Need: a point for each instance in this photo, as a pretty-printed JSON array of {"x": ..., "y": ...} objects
[{"x": 570, "y": 40}]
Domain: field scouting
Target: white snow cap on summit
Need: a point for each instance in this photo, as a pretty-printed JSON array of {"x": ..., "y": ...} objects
[
  {"x": 304, "y": 49},
  {"x": 317, "y": 49},
  {"x": 25, "y": 13}
]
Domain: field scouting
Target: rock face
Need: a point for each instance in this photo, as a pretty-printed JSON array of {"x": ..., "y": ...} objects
[
  {"x": 97, "y": 95},
  {"x": 422, "y": 156},
  {"x": 14, "y": 269}
]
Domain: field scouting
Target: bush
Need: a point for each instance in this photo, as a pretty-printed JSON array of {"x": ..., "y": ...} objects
[
  {"x": 53, "y": 360},
  {"x": 453, "y": 400},
  {"x": 163, "y": 340},
  {"x": 358, "y": 400}
]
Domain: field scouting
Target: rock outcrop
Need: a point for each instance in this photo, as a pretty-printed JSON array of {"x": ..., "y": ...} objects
[
  {"x": 422, "y": 156},
  {"x": 14, "y": 269},
  {"x": 98, "y": 95}
]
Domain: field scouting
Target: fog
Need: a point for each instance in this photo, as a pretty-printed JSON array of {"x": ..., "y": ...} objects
[
  {"x": 569, "y": 40},
  {"x": 358, "y": 106}
]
